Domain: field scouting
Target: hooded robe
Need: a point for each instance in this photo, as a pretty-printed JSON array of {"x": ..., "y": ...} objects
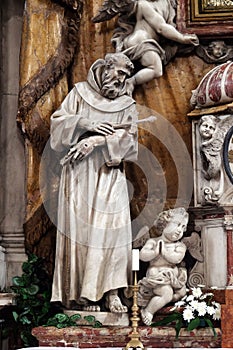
[{"x": 93, "y": 248}]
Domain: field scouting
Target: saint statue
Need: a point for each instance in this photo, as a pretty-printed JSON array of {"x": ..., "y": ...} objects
[{"x": 96, "y": 127}]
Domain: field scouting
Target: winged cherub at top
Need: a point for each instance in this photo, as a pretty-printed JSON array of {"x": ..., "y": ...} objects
[{"x": 146, "y": 33}]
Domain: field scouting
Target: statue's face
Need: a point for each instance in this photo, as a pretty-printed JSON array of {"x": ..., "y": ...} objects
[
  {"x": 175, "y": 228},
  {"x": 218, "y": 49},
  {"x": 207, "y": 129},
  {"x": 113, "y": 79}
]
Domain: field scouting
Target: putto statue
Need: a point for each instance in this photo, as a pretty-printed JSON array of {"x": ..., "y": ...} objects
[
  {"x": 96, "y": 127},
  {"x": 165, "y": 281},
  {"x": 146, "y": 33},
  {"x": 212, "y": 130}
]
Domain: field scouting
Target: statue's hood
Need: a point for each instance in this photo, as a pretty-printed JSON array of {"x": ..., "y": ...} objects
[{"x": 90, "y": 91}]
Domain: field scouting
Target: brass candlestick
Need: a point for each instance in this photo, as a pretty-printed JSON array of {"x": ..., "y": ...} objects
[{"x": 135, "y": 337}]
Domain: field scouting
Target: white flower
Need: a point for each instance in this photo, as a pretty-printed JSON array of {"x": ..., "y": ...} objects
[
  {"x": 190, "y": 298},
  {"x": 217, "y": 305},
  {"x": 201, "y": 308},
  {"x": 210, "y": 310},
  {"x": 196, "y": 291},
  {"x": 179, "y": 303},
  {"x": 217, "y": 314},
  {"x": 204, "y": 296},
  {"x": 173, "y": 308},
  {"x": 188, "y": 315},
  {"x": 194, "y": 304}
]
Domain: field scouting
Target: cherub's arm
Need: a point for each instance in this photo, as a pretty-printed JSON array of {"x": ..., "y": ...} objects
[
  {"x": 173, "y": 252},
  {"x": 150, "y": 250},
  {"x": 158, "y": 23}
]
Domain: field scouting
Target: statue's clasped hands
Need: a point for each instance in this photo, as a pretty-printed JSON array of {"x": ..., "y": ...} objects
[{"x": 84, "y": 147}]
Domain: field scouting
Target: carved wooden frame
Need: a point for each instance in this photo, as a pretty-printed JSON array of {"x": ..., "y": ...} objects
[{"x": 208, "y": 21}]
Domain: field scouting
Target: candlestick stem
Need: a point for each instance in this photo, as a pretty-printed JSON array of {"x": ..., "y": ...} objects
[{"x": 134, "y": 335}]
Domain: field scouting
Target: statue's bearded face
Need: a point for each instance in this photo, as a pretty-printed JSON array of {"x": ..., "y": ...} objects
[{"x": 113, "y": 79}]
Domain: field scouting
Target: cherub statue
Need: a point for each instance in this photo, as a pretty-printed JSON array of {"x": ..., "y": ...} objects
[
  {"x": 212, "y": 130},
  {"x": 210, "y": 146},
  {"x": 146, "y": 33},
  {"x": 165, "y": 281}
]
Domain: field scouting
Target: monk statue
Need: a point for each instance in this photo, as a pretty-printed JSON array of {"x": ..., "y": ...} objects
[{"x": 95, "y": 131}]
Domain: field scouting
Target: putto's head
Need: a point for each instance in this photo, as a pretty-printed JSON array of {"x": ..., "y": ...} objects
[
  {"x": 207, "y": 126},
  {"x": 117, "y": 69},
  {"x": 178, "y": 217}
]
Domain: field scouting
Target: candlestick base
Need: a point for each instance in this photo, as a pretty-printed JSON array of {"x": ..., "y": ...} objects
[{"x": 134, "y": 342}]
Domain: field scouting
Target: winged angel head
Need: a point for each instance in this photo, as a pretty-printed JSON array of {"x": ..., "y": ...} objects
[{"x": 145, "y": 32}]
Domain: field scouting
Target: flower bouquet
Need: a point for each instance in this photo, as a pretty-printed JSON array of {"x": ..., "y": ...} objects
[{"x": 197, "y": 309}]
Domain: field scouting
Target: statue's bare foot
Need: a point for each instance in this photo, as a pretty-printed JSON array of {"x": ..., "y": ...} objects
[
  {"x": 146, "y": 317},
  {"x": 92, "y": 308},
  {"x": 115, "y": 305}
]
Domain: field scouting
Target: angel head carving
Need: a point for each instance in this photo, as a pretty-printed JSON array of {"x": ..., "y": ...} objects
[{"x": 207, "y": 127}]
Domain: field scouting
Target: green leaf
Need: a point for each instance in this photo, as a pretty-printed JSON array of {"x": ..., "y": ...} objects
[
  {"x": 32, "y": 290},
  {"x": 62, "y": 325},
  {"x": 18, "y": 281},
  {"x": 25, "y": 320},
  {"x": 97, "y": 324},
  {"x": 15, "y": 315},
  {"x": 61, "y": 318},
  {"x": 178, "y": 327},
  {"x": 89, "y": 318},
  {"x": 210, "y": 324},
  {"x": 193, "y": 324},
  {"x": 168, "y": 319},
  {"x": 75, "y": 317}
]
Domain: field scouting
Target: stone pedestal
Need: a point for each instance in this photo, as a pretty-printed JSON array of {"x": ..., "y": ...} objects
[
  {"x": 159, "y": 337},
  {"x": 13, "y": 244},
  {"x": 106, "y": 318}
]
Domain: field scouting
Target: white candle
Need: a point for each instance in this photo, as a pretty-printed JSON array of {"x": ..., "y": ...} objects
[{"x": 135, "y": 259}]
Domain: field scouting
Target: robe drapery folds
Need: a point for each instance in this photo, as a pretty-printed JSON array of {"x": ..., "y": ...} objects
[{"x": 94, "y": 237}]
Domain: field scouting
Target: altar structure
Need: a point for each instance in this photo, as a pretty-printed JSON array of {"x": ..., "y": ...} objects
[{"x": 185, "y": 154}]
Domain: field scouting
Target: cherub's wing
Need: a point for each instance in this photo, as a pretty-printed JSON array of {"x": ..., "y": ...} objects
[
  {"x": 193, "y": 244},
  {"x": 111, "y": 8},
  {"x": 141, "y": 238},
  {"x": 215, "y": 145}
]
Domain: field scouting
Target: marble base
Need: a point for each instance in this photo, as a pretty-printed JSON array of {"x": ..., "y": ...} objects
[
  {"x": 106, "y": 318},
  {"x": 105, "y": 337},
  {"x": 6, "y": 299}
]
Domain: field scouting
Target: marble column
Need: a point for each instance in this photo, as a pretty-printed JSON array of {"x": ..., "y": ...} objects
[
  {"x": 214, "y": 241},
  {"x": 228, "y": 222},
  {"x": 12, "y": 158}
]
